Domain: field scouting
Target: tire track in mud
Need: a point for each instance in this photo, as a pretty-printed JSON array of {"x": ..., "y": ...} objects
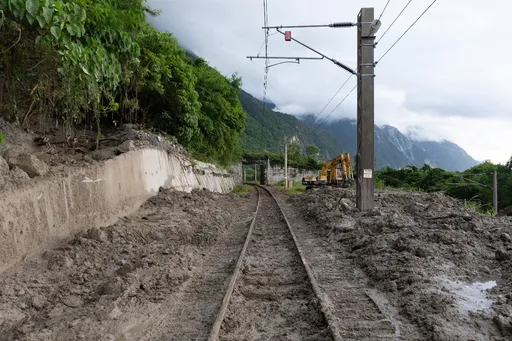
[
  {"x": 360, "y": 313},
  {"x": 189, "y": 314},
  {"x": 273, "y": 298}
]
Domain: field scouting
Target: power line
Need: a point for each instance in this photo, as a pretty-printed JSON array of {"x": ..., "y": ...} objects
[
  {"x": 425, "y": 11},
  {"x": 265, "y": 79},
  {"x": 263, "y": 43},
  {"x": 384, "y": 10},
  {"x": 337, "y": 92},
  {"x": 343, "y": 100},
  {"x": 398, "y": 16}
]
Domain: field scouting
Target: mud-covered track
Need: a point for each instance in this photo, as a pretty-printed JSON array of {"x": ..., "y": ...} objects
[{"x": 272, "y": 294}]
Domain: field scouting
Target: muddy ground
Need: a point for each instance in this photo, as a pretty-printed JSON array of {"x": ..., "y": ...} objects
[
  {"x": 424, "y": 251},
  {"x": 106, "y": 282},
  {"x": 161, "y": 272},
  {"x": 273, "y": 298}
]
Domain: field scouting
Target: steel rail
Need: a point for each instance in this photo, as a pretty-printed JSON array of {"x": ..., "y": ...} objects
[
  {"x": 322, "y": 299},
  {"x": 214, "y": 333}
]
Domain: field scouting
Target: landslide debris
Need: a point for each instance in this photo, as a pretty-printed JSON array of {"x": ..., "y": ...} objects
[
  {"x": 425, "y": 251},
  {"x": 76, "y": 291},
  {"x": 27, "y": 156}
]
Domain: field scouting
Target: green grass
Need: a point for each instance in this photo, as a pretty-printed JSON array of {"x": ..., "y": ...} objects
[
  {"x": 478, "y": 209},
  {"x": 242, "y": 189},
  {"x": 296, "y": 188},
  {"x": 1, "y": 138},
  {"x": 379, "y": 184}
]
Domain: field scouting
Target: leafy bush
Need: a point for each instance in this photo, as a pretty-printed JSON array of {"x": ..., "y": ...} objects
[
  {"x": 98, "y": 62},
  {"x": 473, "y": 185}
]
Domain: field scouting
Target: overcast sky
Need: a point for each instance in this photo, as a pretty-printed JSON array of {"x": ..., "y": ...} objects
[{"x": 446, "y": 79}]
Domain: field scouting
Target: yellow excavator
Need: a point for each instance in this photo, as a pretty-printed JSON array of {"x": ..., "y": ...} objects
[{"x": 331, "y": 174}]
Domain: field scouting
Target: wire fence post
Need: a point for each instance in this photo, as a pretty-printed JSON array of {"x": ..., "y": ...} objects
[
  {"x": 495, "y": 192},
  {"x": 365, "y": 110},
  {"x": 285, "y": 162}
]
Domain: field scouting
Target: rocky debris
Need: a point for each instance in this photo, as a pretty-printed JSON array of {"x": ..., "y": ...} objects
[
  {"x": 19, "y": 174},
  {"x": 410, "y": 243},
  {"x": 55, "y": 156},
  {"x": 73, "y": 291},
  {"x": 142, "y": 138},
  {"x": 104, "y": 154},
  {"x": 506, "y": 237},
  {"x": 97, "y": 234},
  {"x": 4, "y": 166},
  {"x": 126, "y": 146},
  {"x": 29, "y": 163}
]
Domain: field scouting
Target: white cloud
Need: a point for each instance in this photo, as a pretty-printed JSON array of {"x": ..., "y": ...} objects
[{"x": 448, "y": 75}]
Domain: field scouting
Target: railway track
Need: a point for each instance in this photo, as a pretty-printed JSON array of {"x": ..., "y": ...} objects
[{"x": 272, "y": 294}]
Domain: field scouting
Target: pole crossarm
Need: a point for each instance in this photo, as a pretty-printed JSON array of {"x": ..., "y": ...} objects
[
  {"x": 287, "y": 60},
  {"x": 295, "y": 58},
  {"x": 333, "y": 25}
]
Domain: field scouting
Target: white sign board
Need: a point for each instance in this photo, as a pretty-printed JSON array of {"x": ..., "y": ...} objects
[{"x": 367, "y": 174}]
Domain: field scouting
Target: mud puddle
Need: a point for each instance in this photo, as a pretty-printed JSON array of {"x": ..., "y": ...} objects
[{"x": 471, "y": 297}]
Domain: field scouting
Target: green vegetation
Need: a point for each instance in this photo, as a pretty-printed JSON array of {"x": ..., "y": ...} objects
[
  {"x": 242, "y": 189},
  {"x": 265, "y": 131},
  {"x": 474, "y": 185},
  {"x": 98, "y": 63},
  {"x": 1, "y": 138},
  {"x": 310, "y": 160},
  {"x": 296, "y": 188}
]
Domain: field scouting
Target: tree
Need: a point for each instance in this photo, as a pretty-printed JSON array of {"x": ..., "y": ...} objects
[
  {"x": 312, "y": 151},
  {"x": 99, "y": 62},
  {"x": 221, "y": 117}
]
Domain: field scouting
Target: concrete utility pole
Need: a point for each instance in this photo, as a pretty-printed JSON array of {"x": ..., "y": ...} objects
[
  {"x": 268, "y": 171},
  {"x": 285, "y": 162},
  {"x": 495, "y": 192},
  {"x": 255, "y": 178},
  {"x": 365, "y": 109},
  {"x": 366, "y": 29}
]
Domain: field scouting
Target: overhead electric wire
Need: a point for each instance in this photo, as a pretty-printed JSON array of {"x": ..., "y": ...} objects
[
  {"x": 337, "y": 92},
  {"x": 425, "y": 11},
  {"x": 384, "y": 10},
  {"x": 263, "y": 43},
  {"x": 333, "y": 110},
  {"x": 265, "y": 79},
  {"x": 398, "y": 16}
]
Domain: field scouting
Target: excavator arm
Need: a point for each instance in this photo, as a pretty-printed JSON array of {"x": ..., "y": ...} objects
[
  {"x": 328, "y": 174},
  {"x": 345, "y": 166}
]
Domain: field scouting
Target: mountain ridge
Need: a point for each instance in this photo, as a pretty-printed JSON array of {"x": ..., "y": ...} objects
[{"x": 396, "y": 150}]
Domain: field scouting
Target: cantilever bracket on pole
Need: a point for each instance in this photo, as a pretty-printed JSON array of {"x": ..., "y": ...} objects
[
  {"x": 333, "y": 25},
  {"x": 343, "y": 66},
  {"x": 295, "y": 58},
  {"x": 288, "y": 60},
  {"x": 297, "y": 61}
]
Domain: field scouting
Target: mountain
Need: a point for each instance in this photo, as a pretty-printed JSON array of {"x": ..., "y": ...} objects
[
  {"x": 394, "y": 149},
  {"x": 265, "y": 130}
]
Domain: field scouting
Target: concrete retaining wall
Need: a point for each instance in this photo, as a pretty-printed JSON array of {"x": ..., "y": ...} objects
[
  {"x": 276, "y": 174},
  {"x": 56, "y": 208}
]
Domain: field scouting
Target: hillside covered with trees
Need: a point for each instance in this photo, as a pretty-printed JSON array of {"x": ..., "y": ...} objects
[{"x": 98, "y": 63}]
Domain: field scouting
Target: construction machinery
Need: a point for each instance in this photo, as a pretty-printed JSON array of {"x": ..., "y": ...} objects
[{"x": 335, "y": 172}]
